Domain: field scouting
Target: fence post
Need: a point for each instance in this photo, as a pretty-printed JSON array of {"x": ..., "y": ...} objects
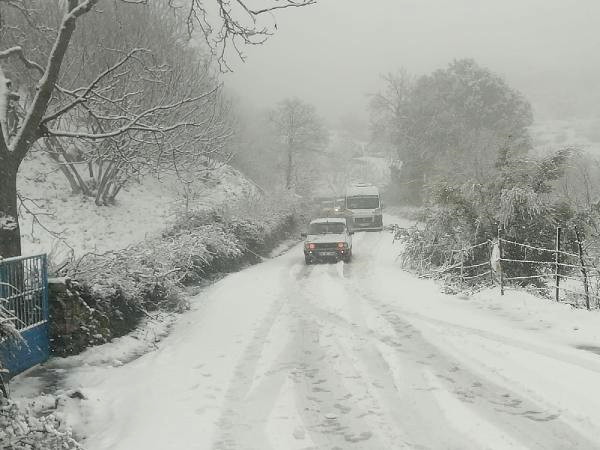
[
  {"x": 557, "y": 264},
  {"x": 500, "y": 261},
  {"x": 490, "y": 251},
  {"x": 583, "y": 271},
  {"x": 462, "y": 263}
]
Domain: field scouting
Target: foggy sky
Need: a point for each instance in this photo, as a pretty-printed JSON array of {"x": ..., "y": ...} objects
[{"x": 331, "y": 54}]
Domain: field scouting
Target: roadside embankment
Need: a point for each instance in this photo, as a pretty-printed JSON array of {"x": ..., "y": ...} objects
[{"x": 101, "y": 297}]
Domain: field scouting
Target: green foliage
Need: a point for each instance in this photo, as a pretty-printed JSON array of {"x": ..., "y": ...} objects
[{"x": 518, "y": 198}]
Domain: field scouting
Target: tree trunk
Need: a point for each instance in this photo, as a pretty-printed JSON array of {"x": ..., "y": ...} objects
[
  {"x": 117, "y": 188},
  {"x": 10, "y": 233},
  {"x": 57, "y": 146},
  {"x": 53, "y": 153},
  {"x": 104, "y": 182},
  {"x": 289, "y": 167}
]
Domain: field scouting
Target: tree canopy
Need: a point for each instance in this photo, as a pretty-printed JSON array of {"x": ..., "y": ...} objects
[{"x": 450, "y": 123}]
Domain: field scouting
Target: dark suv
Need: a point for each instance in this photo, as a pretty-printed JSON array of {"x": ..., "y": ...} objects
[{"x": 328, "y": 239}]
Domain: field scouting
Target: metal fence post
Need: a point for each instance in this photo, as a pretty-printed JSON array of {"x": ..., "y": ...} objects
[
  {"x": 557, "y": 264},
  {"x": 45, "y": 300},
  {"x": 490, "y": 251},
  {"x": 462, "y": 264},
  {"x": 500, "y": 261},
  {"x": 583, "y": 271}
]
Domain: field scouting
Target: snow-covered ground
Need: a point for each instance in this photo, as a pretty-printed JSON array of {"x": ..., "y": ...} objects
[
  {"x": 141, "y": 210},
  {"x": 551, "y": 135},
  {"x": 360, "y": 355}
]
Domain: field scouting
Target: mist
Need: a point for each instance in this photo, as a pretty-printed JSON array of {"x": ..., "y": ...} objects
[
  {"x": 333, "y": 53},
  {"x": 294, "y": 224}
]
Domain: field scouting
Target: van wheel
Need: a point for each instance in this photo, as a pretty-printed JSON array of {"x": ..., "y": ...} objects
[{"x": 307, "y": 260}]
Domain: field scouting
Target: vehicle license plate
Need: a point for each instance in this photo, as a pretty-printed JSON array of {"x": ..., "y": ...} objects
[{"x": 328, "y": 253}]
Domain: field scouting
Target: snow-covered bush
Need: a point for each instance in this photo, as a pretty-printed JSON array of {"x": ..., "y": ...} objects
[
  {"x": 35, "y": 426},
  {"x": 119, "y": 288},
  {"x": 518, "y": 198},
  {"x": 8, "y": 334}
]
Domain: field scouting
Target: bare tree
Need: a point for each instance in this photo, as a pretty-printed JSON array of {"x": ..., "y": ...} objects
[
  {"x": 119, "y": 119},
  {"x": 388, "y": 109},
  {"x": 167, "y": 70},
  {"x": 301, "y": 132}
]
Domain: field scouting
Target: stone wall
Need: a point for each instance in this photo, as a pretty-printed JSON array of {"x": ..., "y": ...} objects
[{"x": 79, "y": 318}]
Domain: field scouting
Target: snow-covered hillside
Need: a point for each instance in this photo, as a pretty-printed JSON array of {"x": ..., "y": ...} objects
[
  {"x": 74, "y": 224},
  {"x": 551, "y": 135}
]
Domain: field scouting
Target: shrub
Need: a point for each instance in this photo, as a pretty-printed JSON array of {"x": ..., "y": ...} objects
[
  {"x": 123, "y": 286},
  {"x": 516, "y": 198}
]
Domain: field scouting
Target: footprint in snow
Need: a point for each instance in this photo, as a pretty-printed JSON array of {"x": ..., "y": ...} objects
[
  {"x": 299, "y": 433},
  {"x": 358, "y": 438}
]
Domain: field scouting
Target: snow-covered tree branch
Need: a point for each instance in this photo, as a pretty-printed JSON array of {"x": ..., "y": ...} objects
[{"x": 141, "y": 101}]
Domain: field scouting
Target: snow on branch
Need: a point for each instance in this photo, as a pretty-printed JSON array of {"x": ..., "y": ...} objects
[
  {"x": 288, "y": 4},
  {"x": 238, "y": 24},
  {"x": 137, "y": 123},
  {"x": 83, "y": 97},
  {"x": 137, "y": 116},
  {"x": 30, "y": 130},
  {"x": 19, "y": 52}
]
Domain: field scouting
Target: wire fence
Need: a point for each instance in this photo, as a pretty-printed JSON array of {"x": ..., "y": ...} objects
[
  {"x": 565, "y": 273},
  {"x": 568, "y": 276}
]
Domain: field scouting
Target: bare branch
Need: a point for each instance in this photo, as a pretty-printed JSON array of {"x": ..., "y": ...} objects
[
  {"x": 289, "y": 4},
  {"x": 136, "y": 123},
  {"x": 30, "y": 131},
  {"x": 18, "y": 51},
  {"x": 235, "y": 28},
  {"x": 80, "y": 98}
]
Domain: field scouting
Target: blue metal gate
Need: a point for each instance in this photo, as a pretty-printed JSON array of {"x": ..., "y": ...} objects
[{"x": 24, "y": 304}]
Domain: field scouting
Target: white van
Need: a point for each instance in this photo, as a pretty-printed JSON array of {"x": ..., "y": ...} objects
[{"x": 363, "y": 206}]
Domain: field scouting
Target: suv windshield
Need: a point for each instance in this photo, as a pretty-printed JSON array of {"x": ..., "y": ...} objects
[
  {"x": 363, "y": 202},
  {"x": 326, "y": 228}
]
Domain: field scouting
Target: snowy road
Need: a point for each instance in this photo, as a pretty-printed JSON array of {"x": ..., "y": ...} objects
[{"x": 352, "y": 356}]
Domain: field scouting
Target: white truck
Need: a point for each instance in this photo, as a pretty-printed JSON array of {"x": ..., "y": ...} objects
[{"x": 364, "y": 208}]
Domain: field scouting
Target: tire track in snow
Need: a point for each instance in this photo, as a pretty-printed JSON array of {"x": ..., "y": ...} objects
[
  {"x": 518, "y": 418},
  {"x": 241, "y": 422},
  {"x": 368, "y": 375},
  {"x": 547, "y": 352},
  {"x": 247, "y": 414},
  {"x": 408, "y": 408},
  {"x": 338, "y": 410}
]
